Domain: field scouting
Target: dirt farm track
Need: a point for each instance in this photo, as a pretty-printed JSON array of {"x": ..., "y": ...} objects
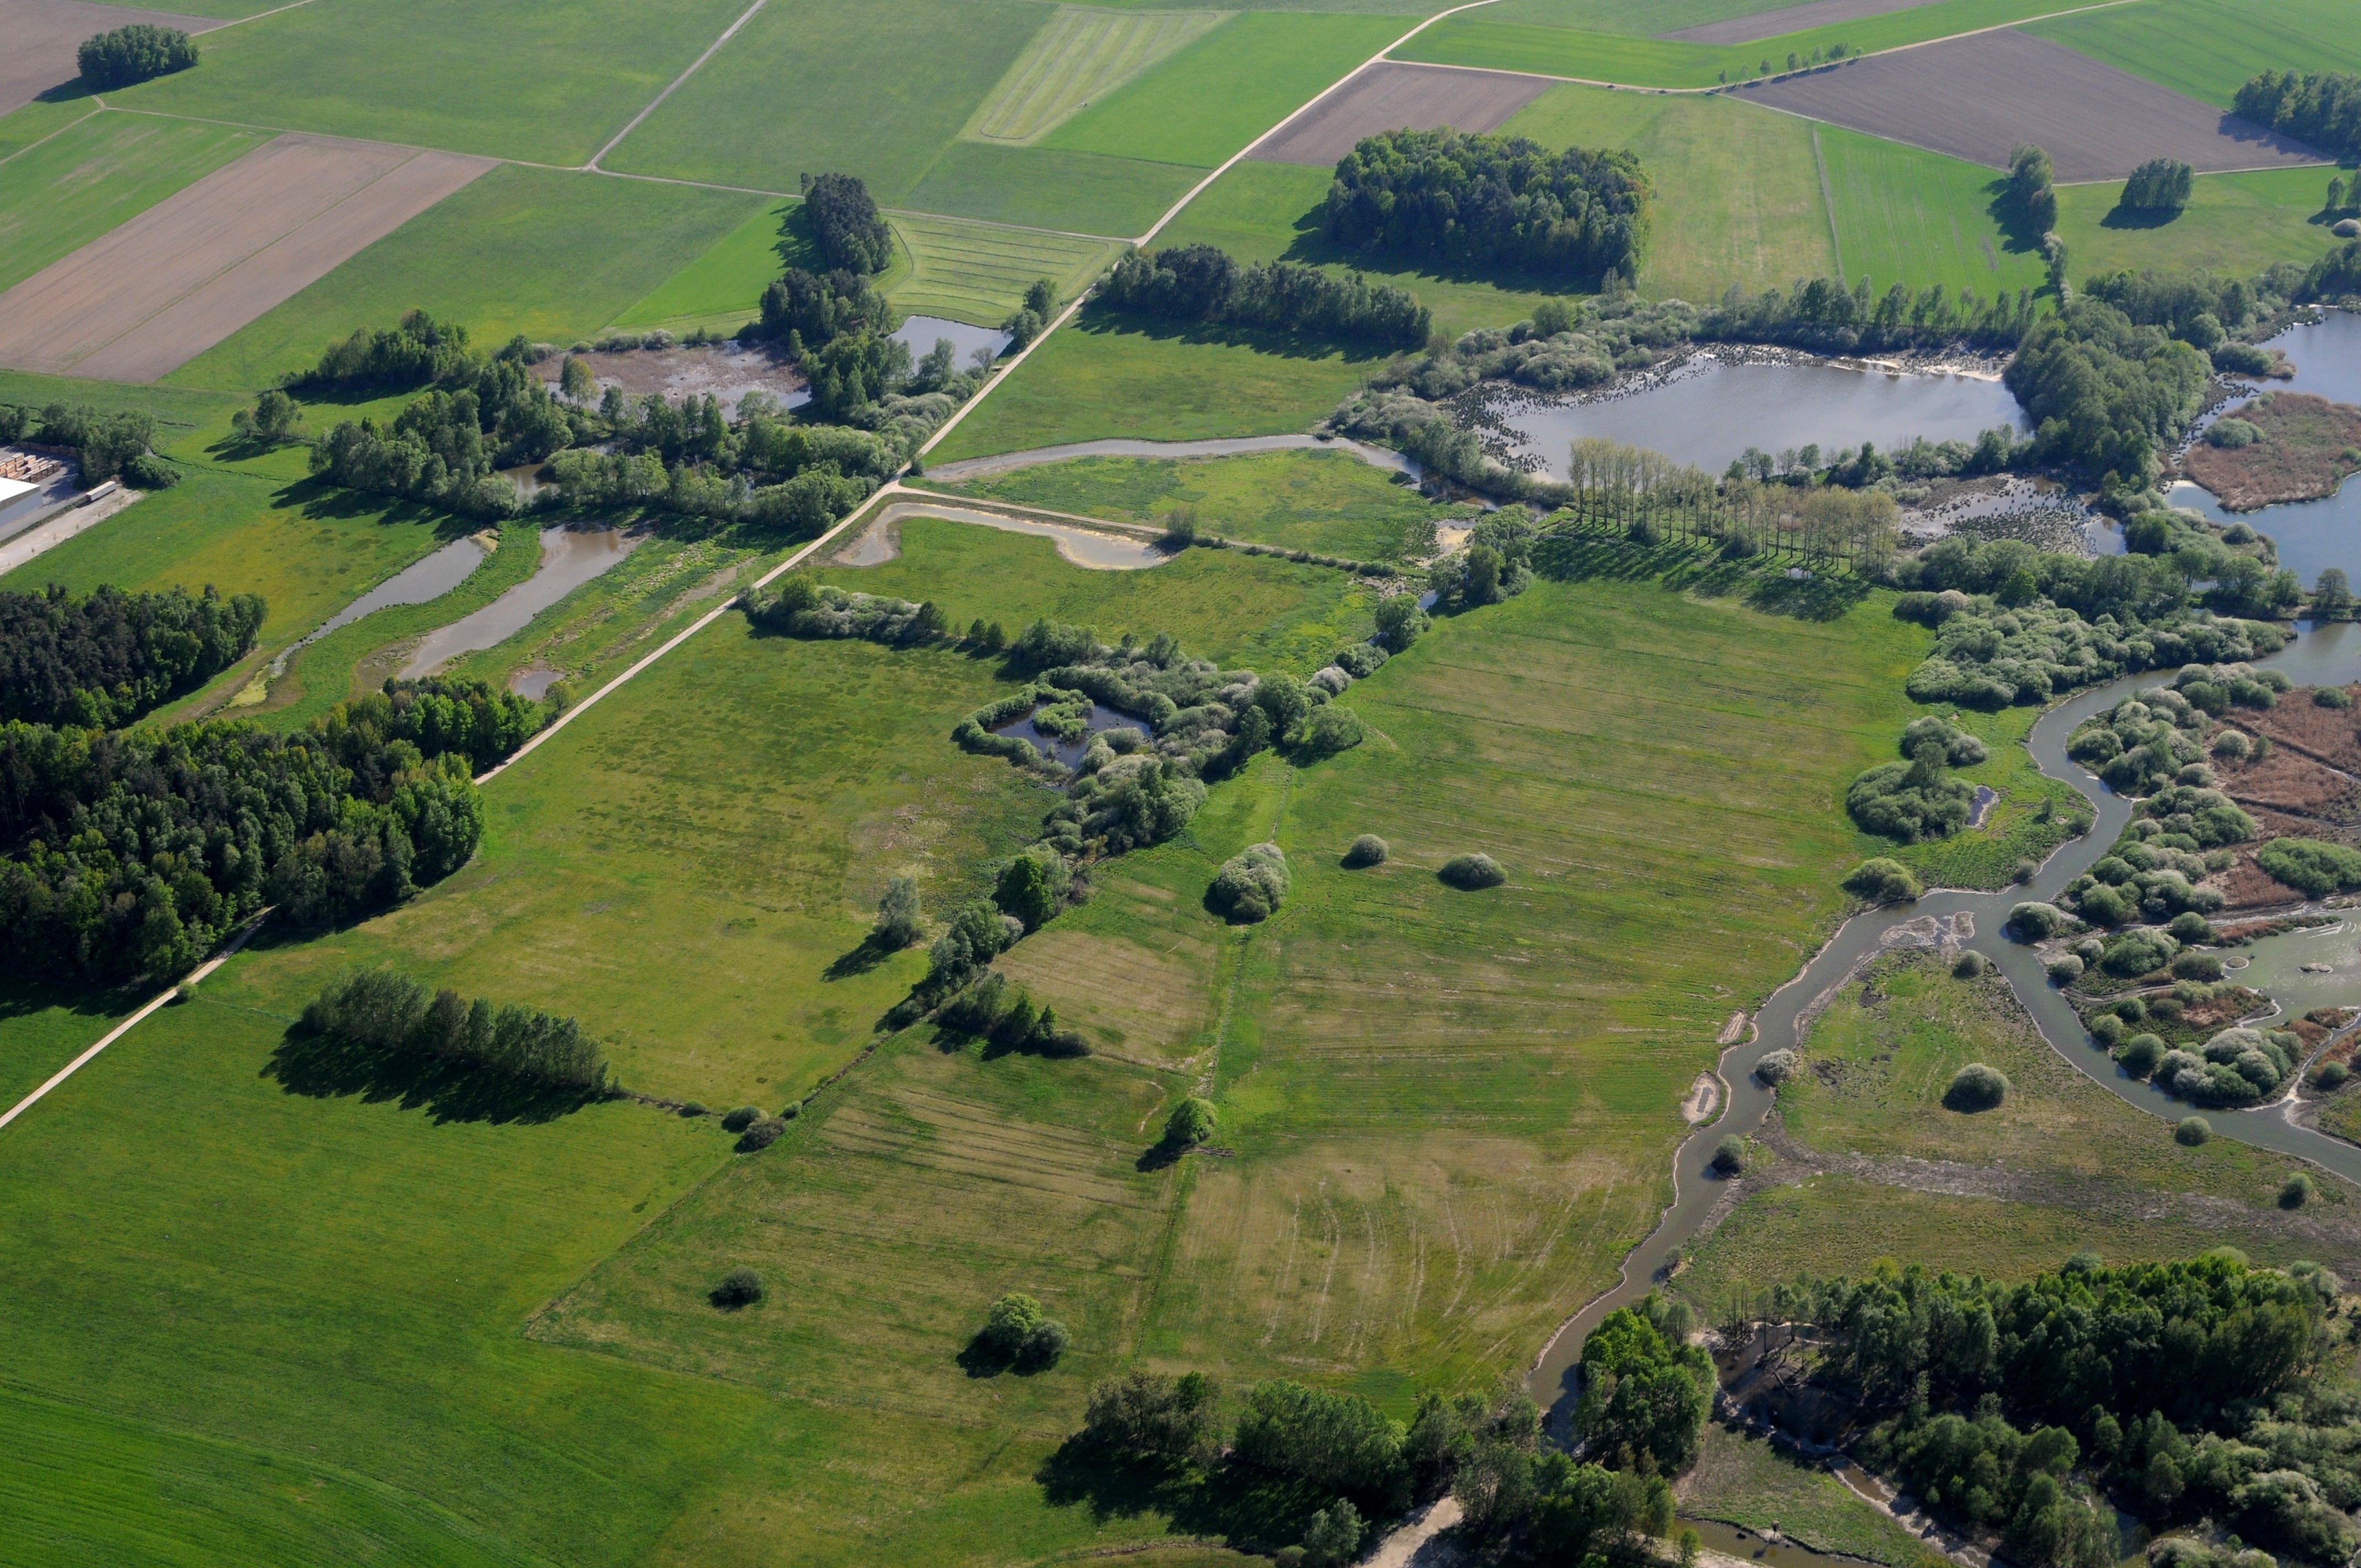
[
  {"x": 1976, "y": 97},
  {"x": 42, "y": 36},
  {"x": 1388, "y": 95},
  {"x": 137, "y": 302}
]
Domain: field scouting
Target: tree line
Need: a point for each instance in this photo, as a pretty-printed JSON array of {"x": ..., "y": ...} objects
[
  {"x": 135, "y": 53},
  {"x": 2322, "y": 107},
  {"x": 1202, "y": 282},
  {"x": 1499, "y": 201},
  {"x": 130, "y": 853},
  {"x": 445, "y": 447},
  {"x": 104, "y": 661},
  {"x": 384, "y": 1010},
  {"x": 106, "y": 443}
]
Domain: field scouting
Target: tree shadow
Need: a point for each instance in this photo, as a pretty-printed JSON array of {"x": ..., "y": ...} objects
[
  {"x": 1164, "y": 1155},
  {"x": 871, "y": 953},
  {"x": 1311, "y": 247},
  {"x": 328, "y": 1067},
  {"x": 2019, "y": 233},
  {"x": 316, "y": 498},
  {"x": 1246, "y": 1509},
  {"x": 2123, "y": 217},
  {"x": 1103, "y": 321},
  {"x": 985, "y": 1357}
]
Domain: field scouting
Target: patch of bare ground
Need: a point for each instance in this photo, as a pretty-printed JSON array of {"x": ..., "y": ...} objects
[
  {"x": 2309, "y": 445},
  {"x": 2330, "y": 735},
  {"x": 1389, "y": 95},
  {"x": 1978, "y": 96},
  {"x": 728, "y": 371},
  {"x": 44, "y": 34}
]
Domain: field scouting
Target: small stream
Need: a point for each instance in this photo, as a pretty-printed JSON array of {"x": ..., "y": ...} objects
[
  {"x": 418, "y": 583},
  {"x": 570, "y": 558},
  {"x": 2321, "y": 655}
]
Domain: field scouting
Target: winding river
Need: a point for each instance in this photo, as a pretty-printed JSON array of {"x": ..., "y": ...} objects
[{"x": 2329, "y": 654}]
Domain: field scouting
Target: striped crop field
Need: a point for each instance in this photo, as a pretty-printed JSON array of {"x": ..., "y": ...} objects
[
  {"x": 977, "y": 272},
  {"x": 1079, "y": 55}
]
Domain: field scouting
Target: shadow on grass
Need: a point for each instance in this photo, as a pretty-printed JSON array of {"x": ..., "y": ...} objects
[
  {"x": 987, "y": 1357},
  {"x": 317, "y": 498},
  {"x": 1250, "y": 1510},
  {"x": 1700, "y": 569},
  {"x": 860, "y": 959},
  {"x": 1163, "y": 1157},
  {"x": 2123, "y": 217},
  {"x": 23, "y": 998},
  {"x": 1097, "y": 320},
  {"x": 1313, "y": 248},
  {"x": 328, "y": 1067}
]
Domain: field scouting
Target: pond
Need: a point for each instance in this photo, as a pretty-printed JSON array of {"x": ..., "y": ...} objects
[
  {"x": 1748, "y": 1547},
  {"x": 570, "y": 558},
  {"x": 920, "y": 332},
  {"x": 417, "y": 582},
  {"x": 881, "y": 541},
  {"x": 1102, "y": 717},
  {"x": 1713, "y": 410}
]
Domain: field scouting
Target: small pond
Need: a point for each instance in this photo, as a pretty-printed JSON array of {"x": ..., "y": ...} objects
[
  {"x": 1748, "y": 1547},
  {"x": 570, "y": 558},
  {"x": 920, "y": 332},
  {"x": 417, "y": 582},
  {"x": 1070, "y": 752},
  {"x": 1712, "y": 412}
]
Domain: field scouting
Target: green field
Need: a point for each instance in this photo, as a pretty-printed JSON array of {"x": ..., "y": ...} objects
[
  {"x": 976, "y": 272},
  {"x": 1227, "y": 88},
  {"x": 2234, "y": 224},
  {"x": 2209, "y": 48},
  {"x": 1103, "y": 376},
  {"x": 722, "y": 287},
  {"x": 1911, "y": 218},
  {"x": 1079, "y": 55},
  {"x": 1045, "y": 187},
  {"x": 552, "y": 255},
  {"x": 547, "y": 84},
  {"x": 1328, "y": 502},
  {"x": 104, "y": 171},
  {"x": 42, "y": 118},
  {"x": 1737, "y": 197},
  {"x": 1743, "y": 1480},
  {"x": 1517, "y": 40}
]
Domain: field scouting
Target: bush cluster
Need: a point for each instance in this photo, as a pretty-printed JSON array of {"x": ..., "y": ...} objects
[
  {"x": 996, "y": 1009},
  {"x": 107, "y": 660},
  {"x": 1202, "y": 282},
  {"x": 1016, "y": 1329},
  {"x": 105, "y": 444},
  {"x": 1252, "y": 883},
  {"x": 2236, "y": 1067},
  {"x": 1645, "y": 1390},
  {"x": 1916, "y": 799},
  {"x": 138, "y": 52},
  {"x": 2312, "y": 866},
  {"x": 1471, "y": 873},
  {"x": 1881, "y": 881},
  {"x": 384, "y": 1010},
  {"x": 803, "y": 607},
  {"x": 2160, "y": 185}
]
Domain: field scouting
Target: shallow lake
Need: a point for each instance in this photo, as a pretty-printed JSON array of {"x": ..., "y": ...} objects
[
  {"x": 417, "y": 582},
  {"x": 2310, "y": 535},
  {"x": 570, "y": 558},
  {"x": 1713, "y": 411},
  {"x": 920, "y": 332}
]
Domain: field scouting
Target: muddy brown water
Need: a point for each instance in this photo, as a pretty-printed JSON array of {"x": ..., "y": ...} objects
[
  {"x": 1748, "y": 1547},
  {"x": 570, "y": 558},
  {"x": 2321, "y": 655}
]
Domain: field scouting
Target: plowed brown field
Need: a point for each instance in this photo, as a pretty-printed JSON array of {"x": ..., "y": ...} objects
[
  {"x": 44, "y": 34},
  {"x": 1388, "y": 96},
  {"x": 148, "y": 297},
  {"x": 1976, "y": 97}
]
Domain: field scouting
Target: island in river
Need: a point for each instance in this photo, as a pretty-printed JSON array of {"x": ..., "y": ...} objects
[{"x": 2304, "y": 446}]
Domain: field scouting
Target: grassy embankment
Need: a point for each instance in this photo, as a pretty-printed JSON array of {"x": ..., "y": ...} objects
[
  {"x": 1328, "y": 502},
  {"x": 2070, "y": 1165}
]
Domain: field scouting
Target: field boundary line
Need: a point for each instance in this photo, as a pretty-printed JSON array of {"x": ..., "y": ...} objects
[
  {"x": 62, "y": 130},
  {"x": 997, "y": 224},
  {"x": 253, "y": 924},
  {"x": 241, "y": 21},
  {"x": 1827, "y": 200},
  {"x": 694, "y": 67}
]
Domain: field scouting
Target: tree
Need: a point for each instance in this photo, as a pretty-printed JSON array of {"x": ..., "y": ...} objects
[
  {"x": 2029, "y": 175},
  {"x": 1193, "y": 1122},
  {"x": 1025, "y": 890},
  {"x": 2332, "y": 594},
  {"x": 1646, "y": 1392},
  {"x": 1154, "y": 1416},
  {"x": 134, "y": 53},
  {"x": 1338, "y": 1442},
  {"x": 1333, "y": 1536},
  {"x": 1010, "y": 1321},
  {"x": 738, "y": 1287},
  {"x": 846, "y": 223},
  {"x": 574, "y": 378},
  {"x": 274, "y": 417},
  {"x": 2160, "y": 185},
  {"x": 898, "y": 920},
  {"x": 1399, "y": 620}
]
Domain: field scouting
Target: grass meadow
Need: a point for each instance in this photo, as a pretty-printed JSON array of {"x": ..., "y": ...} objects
[
  {"x": 1082, "y": 193},
  {"x": 1328, "y": 502},
  {"x": 42, "y": 118},
  {"x": 979, "y": 272},
  {"x": 1080, "y": 55},
  {"x": 2209, "y": 48},
  {"x": 2234, "y": 224},
  {"x": 99, "y": 172},
  {"x": 1907, "y": 216},
  {"x": 1109, "y": 376},
  {"x": 554, "y": 256},
  {"x": 1743, "y": 1480},
  {"x": 545, "y": 83},
  {"x": 723, "y": 286}
]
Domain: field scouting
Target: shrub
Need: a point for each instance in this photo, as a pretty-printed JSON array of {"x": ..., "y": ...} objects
[
  {"x": 146, "y": 471},
  {"x": 136, "y": 53},
  {"x": 760, "y": 1135},
  {"x": 2191, "y": 1131},
  {"x": 1730, "y": 1156},
  {"x": 1881, "y": 881},
  {"x": 2137, "y": 953},
  {"x": 2332, "y": 696},
  {"x": 738, "y": 1287},
  {"x": 2139, "y": 1055},
  {"x": 1913, "y": 800},
  {"x": 2197, "y": 966},
  {"x": 1970, "y": 965},
  {"x": 2065, "y": 968},
  {"x": 1043, "y": 1346},
  {"x": 2189, "y": 927},
  {"x": 2232, "y": 433},
  {"x": 1976, "y": 1087},
  {"x": 2108, "y": 1029},
  {"x": 2311, "y": 866},
  {"x": 1469, "y": 872},
  {"x": 2330, "y": 1076},
  {"x": 1369, "y": 849},
  {"x": 898, "y": 917},
  {"x": 1193, "y": 1122},
  {"x": 1777, "y": 1066},
  {"x": 1251, "y": 885},
  {"x": 2296, "y": 1191},
  {"x": 740, "y": 1119},
  {"x": 2033, "y": 922},
  {"x": 1361, "y": 660},
  {"x": 1328, "y": 730},
  {"x": 1010, "y": 1321}
]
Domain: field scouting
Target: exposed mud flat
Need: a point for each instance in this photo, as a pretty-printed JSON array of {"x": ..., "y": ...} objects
[{"x": 728, "y": 371}]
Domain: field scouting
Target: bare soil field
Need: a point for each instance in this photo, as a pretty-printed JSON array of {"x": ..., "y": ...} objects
[
  {"x": 728, "y": 371},
  {"x": 2309, "y": 445},
  {"x": 138, "y": 302},
  {"x": 1788, "y": 19},
  {"x": 44, "y": 34},
  {"x": 1976, "y": 97},
  {"x": 1388, "y": 95}
]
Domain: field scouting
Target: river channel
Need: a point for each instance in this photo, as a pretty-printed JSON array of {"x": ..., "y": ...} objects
[{"x": 2321, "y": 655}]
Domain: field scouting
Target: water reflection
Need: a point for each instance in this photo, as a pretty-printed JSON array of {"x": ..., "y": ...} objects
[
  {"x": 2317, "y": 533},
  {"x": 1102, "y": 717}
]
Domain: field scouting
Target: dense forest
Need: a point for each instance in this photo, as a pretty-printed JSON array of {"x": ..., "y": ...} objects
[
  {"x": 1200, "y": 282},
  {"x": 1498, "y": 201},
  {"x": 107, "y": 659},
  {"x": 131, "y": 853},
  {"x": 2322, "y": 107},
  {"x": 2105, "y": 393}
]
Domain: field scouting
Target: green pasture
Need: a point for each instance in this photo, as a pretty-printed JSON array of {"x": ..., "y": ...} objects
[
  {"x": 42, "y": 1027},
  {"x": 1903, "y": 215},
  {"x": 547, "y": 84},
  {"x": 185, "y": 420},
  {"x": 1108, "y": 376},
  {"x": 1227, "y": 88},
  {"x": 1079, "y": 55},
  {"x": 2234, "y": 224},
  {"x": 97, "y": 173},
  {"x": 723, "y": 286},
  {"x": 1044, "y": 187},
  {"x": 1328, "y": 502},
  {"x": 554, "y": 256},
  {"x": 1736, "y": 194},
  {"x": 1743, "y": 1480},
  {"x": 1517, "y": 40},
  {"x": 979, "y": 272},
  {"x": 2014, "y": 827},
  {"x": 2210, "y": 48},
  {"x": 40, "y": 119},
  {"x": 876, "y": 88}
]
